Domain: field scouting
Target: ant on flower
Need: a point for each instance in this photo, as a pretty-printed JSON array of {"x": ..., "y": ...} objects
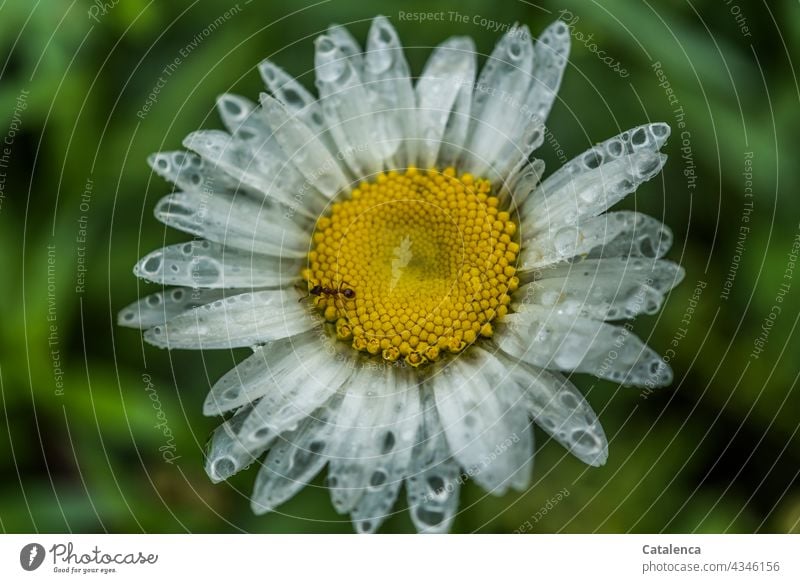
[{"x": 321, "y": 290}]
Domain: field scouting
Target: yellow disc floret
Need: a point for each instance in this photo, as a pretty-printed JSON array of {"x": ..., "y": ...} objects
[{"x": 414, "y": 265}]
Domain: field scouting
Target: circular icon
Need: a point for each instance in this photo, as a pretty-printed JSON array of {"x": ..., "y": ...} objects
[{"x": 31, "y": 556}]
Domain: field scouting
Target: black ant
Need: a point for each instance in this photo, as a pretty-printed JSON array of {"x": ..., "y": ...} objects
[{"x": 321, "y": 290}]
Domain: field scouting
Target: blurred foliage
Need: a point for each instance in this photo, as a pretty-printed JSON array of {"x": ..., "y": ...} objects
[{"x": 716, "y": 452}]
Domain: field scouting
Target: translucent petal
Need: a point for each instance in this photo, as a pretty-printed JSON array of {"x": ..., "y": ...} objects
[
  {"x": 457, "y": 128},
  {"x": 388, "y": 82},
  {"x": 226, "y": 454},
  {"x": 502, "y": 133},
  {"x": 294, "y": 394},
  {"x": 639, "y": 236},
  {"x": 192, "y": 173},
  {"x": 645, "y": 138},
  {"x": 510, "y": 151},
  {"x": 505, "y": 77},
  {"x": 297, "y": 100},
  {"x": 375, "y": 433},
  {"x": 244, "y": 320},
  {"x": 296, "y": 385},
  {"x": 564, "y": 242},
  {"x": 434, "y": 479},
  {"x": 388, "y": 469},
  {"x": 661, "y": 274},
  {"x": 488, "y": 436},
  {"x": 294, "y": 459},
  {"x": 617, "y": 234},
  {"x": 320, "y": 169},
  {"x": 551, "y": 54},
  {"x": 234, "y": 221},
  {"x": 542, "y": 337},
  {"x": 590, "y": 193},
  {"x": 262, "y": 165},
  {"x": 346, "y": 105},
  {"x": 348, "y": 44},
  {"x": 278, "y": 367},
  {"x": 159, "y": 307},
  {"x": 211, "y": 265},
  {"x": 560, "y": 409},
  {"x": 606, "y": 289},
  {"x": 611, "y": 235},
  {"x": 443, "y": 95},
  {"x": 521, "y": 182},
  {"x": 247, "y": 381},
  {"x": 242, "y": 118},
  {"x": 491, "y": 371}
]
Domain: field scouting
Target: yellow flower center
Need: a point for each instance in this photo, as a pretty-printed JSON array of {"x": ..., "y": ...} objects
[{"x": 415, "y": 264}]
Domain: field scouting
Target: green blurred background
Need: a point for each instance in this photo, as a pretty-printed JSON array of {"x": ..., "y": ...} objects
[{"x": 716, "y": 452}]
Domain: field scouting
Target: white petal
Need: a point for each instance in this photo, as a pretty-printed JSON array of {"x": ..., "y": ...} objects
[
  {"x": 296, "y": 384},
  {"x": 457, "y": 128},
  {"x": 560, "y": 409},
  {"x": 244, "y": 320},
  {"x": 645, "y": 138},
  {"x": 443, "y": 95},
  {"x": 234, "y": 221},
  {"x": 560, "y": 243},
  {"x": 159, "y": 307},
  {"x": 402, "y": 417},
  {"x": 605, "y": 289},
  {"x": 261, "y": 164},
  {"x": 300, "y": 383},
  {"x": 297, "y": 100},
  {"x": 660, "y": 274},
  {"x": 226, "y": 453},
  {"x": 522, "y": 181},
  {"x": 348, "y": 44},
  {"x": 242, "y": 118},
  {"x": 378, "y": 421},
  {"x": 294, "y": 459},
  {"x": 616, "y": 234},
  {"x": 589, "y": 194},
  {"x": 320, "y": 169},
  {"x": 510, "y": 151},
  {"x": 544, "y": 338},
  {"x": 388, "y": 82},
  {"x": 506, "y": 74},
  {"x": 551, "y": 54},
  {"x": 488, "y": 436},
  {"x": 211, "y": 265},
  {"x": 434, "y": 479},
  {"x": 639, "y": 236},
  {"x": 502, "y": 132},
  {"x": 192, "y": 173},
  {"x": 346, "y": 105},
  {"x": 511, "y": 397},
  {"x": 277, "y": 367}
]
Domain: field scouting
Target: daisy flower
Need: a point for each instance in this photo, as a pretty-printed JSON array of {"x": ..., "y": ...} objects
[{"x": 412, "y": 290}]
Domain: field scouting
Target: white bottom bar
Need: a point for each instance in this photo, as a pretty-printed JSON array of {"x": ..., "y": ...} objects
[{"x": 400, "y": 558}]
